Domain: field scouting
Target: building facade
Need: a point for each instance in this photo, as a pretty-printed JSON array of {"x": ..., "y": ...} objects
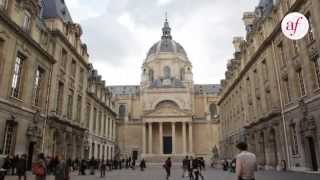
[
  {"x": 270, "y": 95},
  {"x": 167, "y": 114},
  {"x": 46, "y": 83}
]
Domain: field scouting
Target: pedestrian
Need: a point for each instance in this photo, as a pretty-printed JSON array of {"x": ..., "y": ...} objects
[
  {"x": 185, "y": 166},
  {"x": 190, "y": 168},
  {"x": 225, "y": 165},
  {"x": 167, "y": 166},
  {"x": 61, "y": 170},
  {"x": 7, "y": 164},
  {"x": 39, "y": 167},
  {"x": 82, "y": 170},
  {"x": 21, "y": 166},
  {"x": 246, "y": 163},
  {"x": 91, "y": 165},
  {"x": 133, "y": 164},
  {"x": 102, "y": 168},
  {"x": 142, "y": 165}
]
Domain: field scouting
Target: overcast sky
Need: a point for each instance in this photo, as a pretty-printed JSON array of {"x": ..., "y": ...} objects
[{"x": 119, "y": 33}]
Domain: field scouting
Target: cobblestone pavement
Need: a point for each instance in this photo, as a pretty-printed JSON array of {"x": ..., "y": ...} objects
[{"x": 157, "y": 173}]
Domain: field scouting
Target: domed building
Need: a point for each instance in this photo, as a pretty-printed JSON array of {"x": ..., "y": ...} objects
[{"x": 167, "y": 115}]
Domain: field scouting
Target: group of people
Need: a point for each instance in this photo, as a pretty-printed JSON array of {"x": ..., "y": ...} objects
[{"x": 244, "y": 165}]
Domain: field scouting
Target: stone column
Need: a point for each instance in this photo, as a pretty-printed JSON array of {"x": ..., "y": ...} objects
[
  {"x": 160, "y": 138},
  {"x": 173, "y": 128},
  {"x": 190, "y": 138},
  {"x": 150, "y": 137},
  {"x": 184, "y": 143},
  {"x": 144, "y": 138}
]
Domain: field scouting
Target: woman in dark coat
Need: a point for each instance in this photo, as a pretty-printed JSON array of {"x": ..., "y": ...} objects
[
  {"x": 21, "y": 166},
  {"x": 167, "y": 166},
  {"x": 61, "y": 170}
]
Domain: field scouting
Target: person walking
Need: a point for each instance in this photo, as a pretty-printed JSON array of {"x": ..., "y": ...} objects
[
  {"x": 102, "y": 168},
  {"x": 190, "y": 168},
  {"x": 21, "y": 166},
  {"x": 142, "y": 165},
  {"x": 167, "y": 166},
  {"x": 185, "y": 166},
  {"x": 246, "y": 163},
  {"x": 39, "y": 167},
  {"x": 61, "y": 170}
]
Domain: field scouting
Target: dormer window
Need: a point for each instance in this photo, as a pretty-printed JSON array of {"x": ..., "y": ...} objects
[{"x": 26, "y": 21}]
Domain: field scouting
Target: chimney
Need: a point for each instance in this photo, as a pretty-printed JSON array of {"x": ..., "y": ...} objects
[
  {"x": 236, "y": 43},
  {"x": 248, "y": 19}
]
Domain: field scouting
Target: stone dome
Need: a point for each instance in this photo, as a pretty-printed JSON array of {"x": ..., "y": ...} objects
[{"x": 166, "y": 44}]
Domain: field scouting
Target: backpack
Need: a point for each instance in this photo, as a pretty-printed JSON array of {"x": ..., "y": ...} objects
[{"x": 38, "y": 169}]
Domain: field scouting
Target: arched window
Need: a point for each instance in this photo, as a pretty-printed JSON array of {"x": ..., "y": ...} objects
[
  {"x": 151, "y": 75},
  {"x": 167, "y": 72},
  {"x": 182, "y": 73},
  {"x": 122, "y": 111},
  {"x": 213, "y": 110}
]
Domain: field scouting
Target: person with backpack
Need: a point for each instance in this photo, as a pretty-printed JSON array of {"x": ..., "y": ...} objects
[{"x": 39, "y": 167}]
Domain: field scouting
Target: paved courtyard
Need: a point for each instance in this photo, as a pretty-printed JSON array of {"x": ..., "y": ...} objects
[{"x": 157, "y": 173}]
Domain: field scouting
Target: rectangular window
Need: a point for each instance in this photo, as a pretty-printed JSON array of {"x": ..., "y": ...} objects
[
  {"x": 265, "y": 70},
  {"x": 94, "y": 119},
  {"x": 311, "y": 30},
  {"x": 88, "y": 115},
  {"x": 38, "y": 86},
  {"x": 99, "y": 123},
  {"x": 73, "y": 68},
  {"x": 60, "y": 95},
  {"x": 70, "y": 105},
  {"x": 17, "y": 76},
  {"x": 316, "y": 63},
  {"x": 9, "y": 138},
  {"x": 81, "y": 77},
  {"x": 302, "y": 89},
  {"x": 105, "y": 124},
  {"x": 79, "y": 108},
  {"x": 26, "y": 21},
  {"x": 64, "y": 58},
  {"x": 281, "y": 54},
  {"x": 287, "y": 91},
  {"x": 1, "y": 57},
  {"x": 295, "y": 47},
  {"x": 294, "y": 145}
]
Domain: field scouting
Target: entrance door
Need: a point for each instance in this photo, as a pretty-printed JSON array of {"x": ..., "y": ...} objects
[
  {"x": 135, "y": 155},
  {"x": 30, "y": 155},
  {"x": 167, "y": 145},
  {"x": 313, "y": 154}
]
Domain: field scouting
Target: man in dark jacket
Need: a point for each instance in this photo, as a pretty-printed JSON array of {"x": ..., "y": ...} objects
[{"x": 21, "y": 166}]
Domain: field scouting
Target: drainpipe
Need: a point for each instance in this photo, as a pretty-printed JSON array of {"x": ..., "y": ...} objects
[
  {"x": 282, "y": 105},
  {"x": 47, "y": 108}
]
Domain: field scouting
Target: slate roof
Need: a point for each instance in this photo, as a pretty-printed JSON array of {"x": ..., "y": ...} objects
[
  {"x": 55, "y": 9},
  {"x": 207, "y": 88},
  {"x": 124, "y": 90}
]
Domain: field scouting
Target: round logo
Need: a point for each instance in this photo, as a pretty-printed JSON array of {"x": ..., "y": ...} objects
[{"x": 295, "y": 26}]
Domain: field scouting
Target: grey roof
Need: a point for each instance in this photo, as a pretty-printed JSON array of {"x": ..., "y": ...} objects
[
  {"x": 207, "y": 88},
  {"x": 166, "y": 44},
  {"x": 266, "y": 7},
  {"x": 124, "y": 90},
  {"x": 55, "y": 9}
]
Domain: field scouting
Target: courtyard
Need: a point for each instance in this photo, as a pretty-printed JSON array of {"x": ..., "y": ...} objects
[{"x": 157, "y": 173}]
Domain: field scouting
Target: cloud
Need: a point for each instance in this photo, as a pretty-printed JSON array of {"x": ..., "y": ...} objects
[{"x": 120, "y": 32}]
